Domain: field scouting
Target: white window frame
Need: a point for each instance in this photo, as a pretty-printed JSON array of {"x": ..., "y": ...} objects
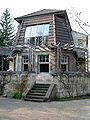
[
  {"x": 27, "y": 39},
  {"x": 43, "y": 62},
  {"x": 23, "y": 63},
  {"x": 65, "y": 62}
]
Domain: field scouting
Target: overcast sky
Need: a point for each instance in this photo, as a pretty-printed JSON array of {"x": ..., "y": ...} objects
[{"x": 21, "y": 7}]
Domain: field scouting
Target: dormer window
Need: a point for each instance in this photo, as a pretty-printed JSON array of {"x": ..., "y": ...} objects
[{"x": 37, "y": 35}]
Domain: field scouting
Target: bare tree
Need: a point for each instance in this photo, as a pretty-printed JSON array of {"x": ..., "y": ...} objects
[{"x": 76, "y": 18}]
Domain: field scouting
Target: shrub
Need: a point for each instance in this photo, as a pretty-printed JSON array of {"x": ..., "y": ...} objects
[{"x": 17, "y": 95}]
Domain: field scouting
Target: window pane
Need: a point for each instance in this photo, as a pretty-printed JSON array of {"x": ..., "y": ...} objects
[
  {"x": 46, "y": 30},
  {"x": 63, "y": 68},
  {"x": 44, "y": 58},
  {"x": 44, "y": 68},
  {"x": 26, "y": 67},
  {"x": 25, "y": 59},
  {"x": 32, "y": 40},
  {"x": 27, "y": 35},
  {"x": 45, "y": 39},
  {"x": 27, "y": 32},
  {"x": 38, "y": 40},
  {"x": 41, "y": 58},
  {"x": 47, "y": 58},
  {"x": 40, "y": 30},
  {"x": 33, "y": 31}
]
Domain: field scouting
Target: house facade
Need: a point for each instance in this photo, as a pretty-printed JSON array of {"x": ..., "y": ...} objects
[
  {"x": 42, "y": 43},
  {"x": 44, "y": 58}
]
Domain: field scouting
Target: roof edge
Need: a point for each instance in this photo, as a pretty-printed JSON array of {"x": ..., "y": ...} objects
[{"x": 19, "y": 19}]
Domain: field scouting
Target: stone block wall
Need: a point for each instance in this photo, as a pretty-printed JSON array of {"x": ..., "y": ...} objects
[
  {"x": 16, "y": 82},
  {"x": 67, "y": 84}
]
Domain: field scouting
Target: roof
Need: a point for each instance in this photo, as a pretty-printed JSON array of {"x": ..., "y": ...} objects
[
  {"x": 41, "y": 12},
  {"x": 5, "y": 50},
  {"x": 79, "y": 33}
]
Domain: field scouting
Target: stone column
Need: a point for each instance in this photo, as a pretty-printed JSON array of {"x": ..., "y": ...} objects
[{"x": 18, "y": 62}]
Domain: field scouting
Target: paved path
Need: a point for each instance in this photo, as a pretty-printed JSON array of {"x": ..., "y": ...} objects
[{"x": 11, "y": 109}]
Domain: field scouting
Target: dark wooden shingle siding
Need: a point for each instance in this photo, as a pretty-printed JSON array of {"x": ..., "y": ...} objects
[
  {"x": 36, "y": 21},
  {"x": 62, "y": 31}
]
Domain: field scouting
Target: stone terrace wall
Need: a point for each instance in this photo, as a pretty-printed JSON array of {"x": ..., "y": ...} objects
[
  {"x": 16, "y": 82},
  {"x": 72, "y": 84},
  {"x": 67, "y": 84}
]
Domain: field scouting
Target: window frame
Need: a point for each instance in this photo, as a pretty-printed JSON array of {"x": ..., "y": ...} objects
[
  {"x": 24, "y": 63},
  {"x": 27, "y": 40},
  {"x": 66, "y": 62},
  {"x": 43, "y": 62}
]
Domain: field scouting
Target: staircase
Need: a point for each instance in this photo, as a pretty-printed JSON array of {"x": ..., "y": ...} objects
[{"x": 38, "y": 93}]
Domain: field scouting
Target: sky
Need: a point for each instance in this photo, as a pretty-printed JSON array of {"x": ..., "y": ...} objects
[{"x": 21, "y": 7}]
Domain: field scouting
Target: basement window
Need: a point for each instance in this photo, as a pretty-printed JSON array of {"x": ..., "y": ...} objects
[
  {"x": 44, "y": 63},
  {"x": 25, "y": 62}
]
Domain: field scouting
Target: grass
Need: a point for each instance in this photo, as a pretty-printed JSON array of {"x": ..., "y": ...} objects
[{"x": 75, "y": 98}]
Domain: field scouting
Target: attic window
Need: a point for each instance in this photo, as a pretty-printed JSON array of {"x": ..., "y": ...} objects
[{"x": 37, "y": 35}]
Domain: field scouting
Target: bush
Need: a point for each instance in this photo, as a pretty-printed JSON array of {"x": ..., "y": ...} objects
[{"x": 17, "y": 95}]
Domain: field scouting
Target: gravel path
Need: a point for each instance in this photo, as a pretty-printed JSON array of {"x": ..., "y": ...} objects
[{"x": 11, "y": 109}]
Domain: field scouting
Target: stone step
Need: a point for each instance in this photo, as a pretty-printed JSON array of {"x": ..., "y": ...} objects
[
  {"x": 37, "y": 91},
  {"x": 40, "y": 94},
  {"x": 35, "y": 96},
  {"x": 38, "y": 88},
  {"x": 42, "y": 85},
  {"x": 35, "y": 100}
]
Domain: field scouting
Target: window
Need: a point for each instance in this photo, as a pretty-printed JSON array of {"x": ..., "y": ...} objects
[
  {"x": 81, "y": 43},
  {"x": 25, "y": 62},
  {"x": 14, "y": 63},
  {"x": 37, "y": 35},
  {"x": 64, "y": 64},
  {"x": 44, "y": 63}
]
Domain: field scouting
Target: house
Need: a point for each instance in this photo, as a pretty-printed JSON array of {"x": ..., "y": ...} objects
[
  {"x": 4, "y": 53},
  {"x": 43, "y": 47},
  {"x": 38, "y": 36},
  {"x": 81, "y": 41}
]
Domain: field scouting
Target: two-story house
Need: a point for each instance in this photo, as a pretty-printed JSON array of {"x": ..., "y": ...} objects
[
  {"x": 43, "y": 48},
  {"x": 43, "y": 43}
]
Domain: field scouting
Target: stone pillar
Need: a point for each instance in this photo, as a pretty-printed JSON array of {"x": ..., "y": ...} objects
[
  {"x": 11, "y": 65},
  {"x": 18, "y": 62},
  {"x": 89, "y": 52}
]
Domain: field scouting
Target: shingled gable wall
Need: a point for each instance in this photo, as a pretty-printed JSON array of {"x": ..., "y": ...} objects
[
  {"x": 59, "y": 27},
  {"x": 35, "y": 20}
]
